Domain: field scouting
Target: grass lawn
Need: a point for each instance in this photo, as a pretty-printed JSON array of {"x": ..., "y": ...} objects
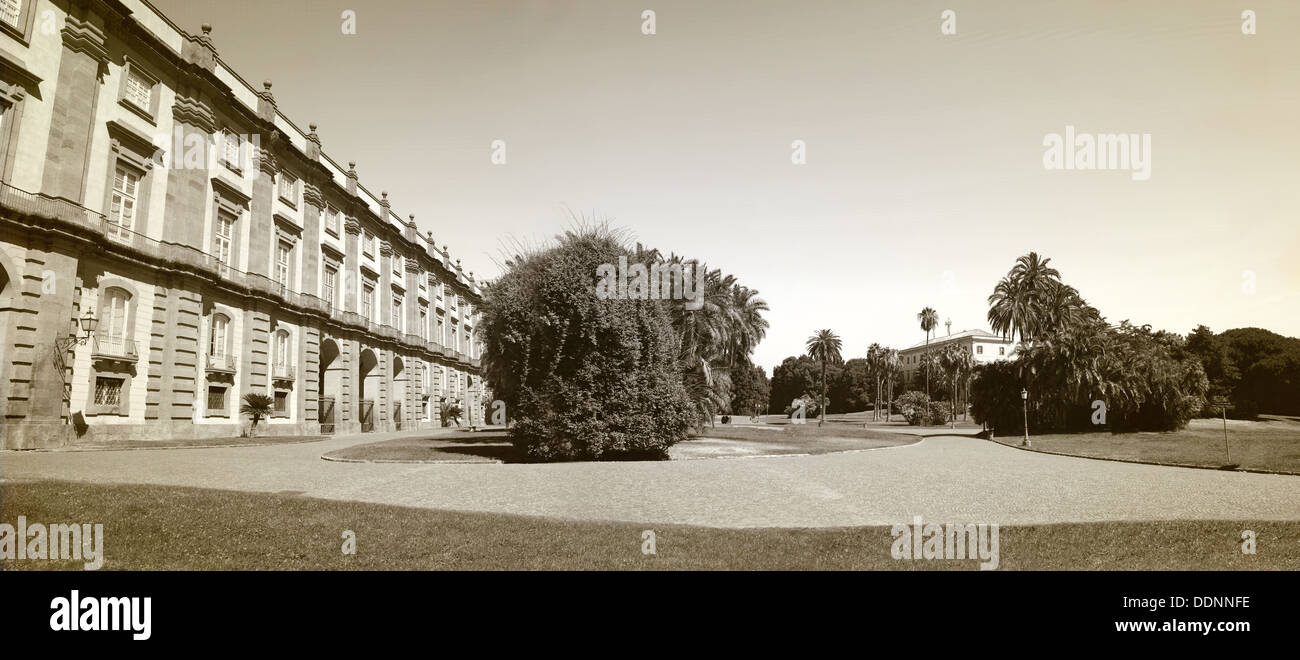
[
  {"x": 476, "y": 447},
  {"x": 720, "y": 441},
  {"x": 727, "y": 440},
  {"x": 1271, "y": 444},
  {"x": 170, "y": 528}
]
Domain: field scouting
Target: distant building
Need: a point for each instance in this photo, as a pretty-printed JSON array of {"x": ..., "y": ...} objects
[{"x": 984, "y": 345}]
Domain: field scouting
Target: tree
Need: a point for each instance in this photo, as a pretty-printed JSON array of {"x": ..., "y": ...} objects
[
  {"x": 892, "y": 367},
  {"x": 1030, "y": 301},
  {"x": 793, "y": 378},
  {"x": 876, "y": 366},
  {"x": 824, "y": 346},
  {"x": 749, "y": 391},
  {"x": 256, "y": 406},
  {"x": 929, "y": 320},
  {"x": 586, "y": 377},
  {"x": 850, "y": 388},
  {"x": 449, "y": 412},
  {"x": 951, "y": 361}
]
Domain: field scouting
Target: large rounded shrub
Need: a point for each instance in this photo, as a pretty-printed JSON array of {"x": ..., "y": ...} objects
[{"x": 583, "y": 377}]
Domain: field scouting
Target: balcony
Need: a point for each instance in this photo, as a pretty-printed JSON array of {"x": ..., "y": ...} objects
[
  {"x": 49, "y": 210},
  {"x": 283, "y": 372},
  {"x": 116, "y": 349},
  {"x": 222, "y": 364}
]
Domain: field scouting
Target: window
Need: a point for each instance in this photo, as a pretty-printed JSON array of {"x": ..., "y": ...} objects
[
  {"x": 216, "y": 399},
  {"x": 139, "y": 90},
  {"x": 113, "y": 333},
  {"x": 121, "y": 210},
  {"x": 332, "y": 221},
  {"x": 10, "y": 10},
  {"x": 424, "y": 322},
  {"x": 289, "y": 188},
  {"x": 368, "y": 301},
  {"x": 280, "y": 356},
  {"x": 231, "y": 146},
  {"x": 108, "y": 391},
  {"x": 979, "y": 350},
  {"x": 281, "y": 402},
  {"x": 1002, "y": 350},
  {"x": 439, "y": 332},
  {"x": 327, "y": 286},
  {"x": 397, "y": 264},
  {"x": 368, "y": 245},
  {"x": 282, "y": 252},
  {"x": 281, "y": 348},
  {"x": 397, "y": 312},
  {"x": 218, "y": 335},
  {"x": 224, "y": 239}
]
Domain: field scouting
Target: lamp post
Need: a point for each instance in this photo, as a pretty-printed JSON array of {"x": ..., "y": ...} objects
[
  {"x": 88, "y": 324},
  {"x": 1024, "y": 404}
]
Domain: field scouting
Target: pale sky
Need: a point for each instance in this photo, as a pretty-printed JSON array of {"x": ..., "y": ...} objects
[{"x": 924, "y": 178}]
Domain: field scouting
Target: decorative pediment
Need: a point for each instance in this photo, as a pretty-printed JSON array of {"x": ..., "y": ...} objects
[
  {"x": 145, "y": 151},
  {"x": 226, "y": 191}
]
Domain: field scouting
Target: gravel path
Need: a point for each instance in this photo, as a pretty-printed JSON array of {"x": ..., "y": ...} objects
[{"x": 942, "y": 479}]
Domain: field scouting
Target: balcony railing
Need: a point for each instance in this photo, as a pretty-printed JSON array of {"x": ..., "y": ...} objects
[
  {"x": 225, "y": 363},
  {"x": 113, "y": 348},
  {"x": 282, "y": 372},
  {"x": 116, "y": 237}
]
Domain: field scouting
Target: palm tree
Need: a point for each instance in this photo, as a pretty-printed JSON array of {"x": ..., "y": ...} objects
[
  {"x": 891, "y": 366},
  {"x": 1018, "y": 303},
  {"x": 876, "y": 364},
  {"x": 825, "y": 348},
  {"x": 256, "y": 406},
  {"x": 929, "y": 320},
  {"x": 717, "y": 337},
  {"x": 966, "y": 366},
  {"x": 952, "y": 360}
]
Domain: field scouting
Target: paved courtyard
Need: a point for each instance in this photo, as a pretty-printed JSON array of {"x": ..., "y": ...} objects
[{"x": 943, "y": 479}]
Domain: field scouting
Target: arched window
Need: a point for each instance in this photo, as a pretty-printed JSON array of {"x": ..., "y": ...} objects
[
  {"x": 113, "y": 331},
  {"x": 219, "y": 335},
  {"x": 281, "y": 351}
]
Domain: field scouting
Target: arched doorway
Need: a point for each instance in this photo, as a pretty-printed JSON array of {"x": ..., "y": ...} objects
[
  {"x": 331, "y": 382},
  {"x": 399, "y": 391},
  {"x": 367, "y": 387}
]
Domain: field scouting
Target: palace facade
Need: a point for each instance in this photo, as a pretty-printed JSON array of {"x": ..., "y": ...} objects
[{"x": 170, "y": 241}]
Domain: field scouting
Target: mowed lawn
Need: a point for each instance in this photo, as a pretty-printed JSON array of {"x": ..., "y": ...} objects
[
  {"x": 170, "y": 528},
  {"x": 1272, "y": 444},
  {"x": 713, "y": 441}
]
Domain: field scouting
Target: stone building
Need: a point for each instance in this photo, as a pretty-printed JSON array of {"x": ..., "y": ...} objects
[
  {"x": 984, "y": 346},
  {"x": 148, "y": 191}
]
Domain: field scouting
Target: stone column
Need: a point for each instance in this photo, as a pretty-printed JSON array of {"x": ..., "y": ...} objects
[{"x": 75, "y": 103}]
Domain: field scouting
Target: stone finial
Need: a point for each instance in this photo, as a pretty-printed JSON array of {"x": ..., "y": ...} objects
[{"x": 207, "y": 28}]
